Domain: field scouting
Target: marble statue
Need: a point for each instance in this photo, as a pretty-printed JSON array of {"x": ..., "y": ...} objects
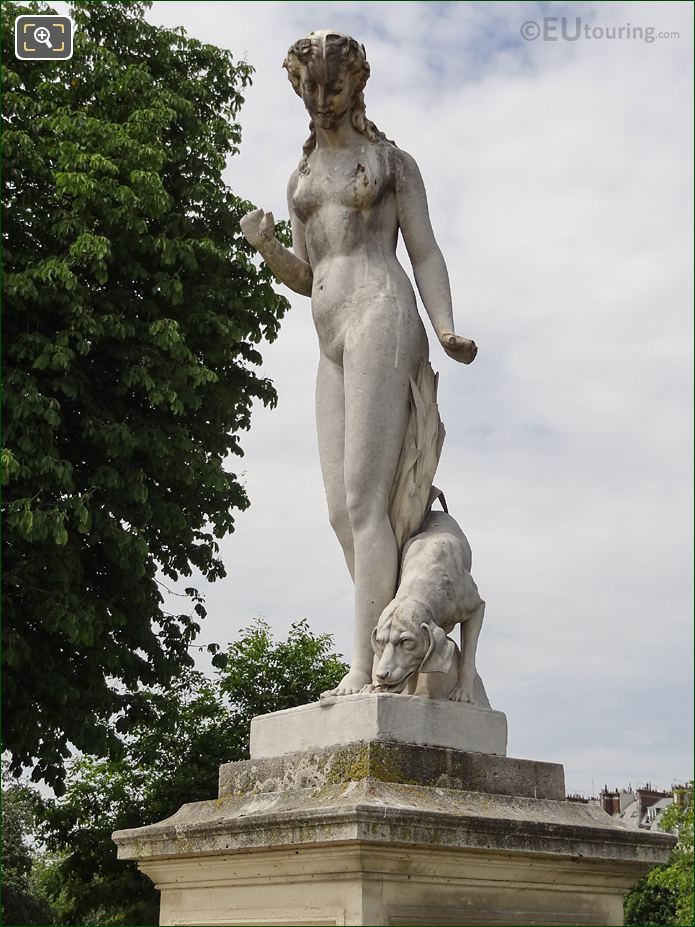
[
  {"x": 378, "y": 426},
  {"x": 397, "y": 780}
]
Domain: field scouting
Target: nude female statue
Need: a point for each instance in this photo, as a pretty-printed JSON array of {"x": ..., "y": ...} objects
[{"x": 351, "y": 194}]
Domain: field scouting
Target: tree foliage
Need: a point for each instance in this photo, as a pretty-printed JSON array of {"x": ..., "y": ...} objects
[
  {"x": 198, "y": 725},
  {"x": 21, "y": 899},
  {"x": 133, "y": 316},
  {"x": 665, "y": 895},
  {"x": 650, "y": 904}
]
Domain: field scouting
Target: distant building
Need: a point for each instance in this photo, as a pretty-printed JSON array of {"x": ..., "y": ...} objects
[{"x": 640, "y": 808}]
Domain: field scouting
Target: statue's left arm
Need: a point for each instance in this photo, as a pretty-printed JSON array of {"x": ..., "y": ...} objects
[{"x": 429, "y": 268}]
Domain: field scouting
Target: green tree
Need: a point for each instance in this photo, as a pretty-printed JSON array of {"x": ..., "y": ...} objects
[
  {"x": 665, "y": 895},
  {"x": 648, "y": 903},
  {"x": 131, "y": 337},
  {"x": 22, "y": 901},
  {"x": 197, "y": 725}
]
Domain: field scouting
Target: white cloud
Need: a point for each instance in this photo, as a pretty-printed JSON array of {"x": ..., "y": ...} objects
[{"x": 560, "y": 189}]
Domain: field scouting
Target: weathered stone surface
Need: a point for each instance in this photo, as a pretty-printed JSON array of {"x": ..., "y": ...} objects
[
  {"x": 384, "y": 717},
  {"x": 338, "y": 837},
  {"x": 392, "y": 813},
  {"x": 438, "y": 767}
]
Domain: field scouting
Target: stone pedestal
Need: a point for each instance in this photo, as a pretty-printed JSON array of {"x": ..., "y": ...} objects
[
  {"x": 384, "y": 717},
  {"x": 380, "y": 832}
]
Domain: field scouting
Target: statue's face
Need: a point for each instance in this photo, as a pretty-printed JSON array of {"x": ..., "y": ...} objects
[{"x": 328, "y": 89}]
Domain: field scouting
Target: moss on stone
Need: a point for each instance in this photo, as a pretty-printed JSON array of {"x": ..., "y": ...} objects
[{"x": 383, "y": 762}]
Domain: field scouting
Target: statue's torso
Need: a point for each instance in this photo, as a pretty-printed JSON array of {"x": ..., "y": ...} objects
[
  {"x": 347, "y": 202},
  {"x": 353, "y": 178}
]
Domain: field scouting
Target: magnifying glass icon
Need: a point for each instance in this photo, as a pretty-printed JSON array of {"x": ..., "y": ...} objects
[{"x": 42, "y": 34}]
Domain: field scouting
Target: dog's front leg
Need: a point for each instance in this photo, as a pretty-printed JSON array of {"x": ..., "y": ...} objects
[{"x": 470, "y": 632}]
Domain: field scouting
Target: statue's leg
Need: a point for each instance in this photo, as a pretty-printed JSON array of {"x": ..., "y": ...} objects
[
  {"x": 377, "y": 396},
  {"x": 330, "y": 425},
  {"x": 470, "y": 632}
]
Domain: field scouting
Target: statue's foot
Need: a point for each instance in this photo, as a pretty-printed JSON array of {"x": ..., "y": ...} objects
[
  {"x": 463, "y": 694},
  {"x": 352, "y": 683}
]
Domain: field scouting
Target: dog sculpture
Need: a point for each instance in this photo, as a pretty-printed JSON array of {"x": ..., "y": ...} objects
[{"x": 436, "y": 592}]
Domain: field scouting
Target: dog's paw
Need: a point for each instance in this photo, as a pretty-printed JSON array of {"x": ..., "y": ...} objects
[
  {"x": 369, "y": 688},
  {"x": 461, "y": 695},
  {"x": 351, "y": 684}
]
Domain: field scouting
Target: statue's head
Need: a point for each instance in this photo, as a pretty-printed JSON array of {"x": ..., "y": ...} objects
[{"x": 328, "y": 70}]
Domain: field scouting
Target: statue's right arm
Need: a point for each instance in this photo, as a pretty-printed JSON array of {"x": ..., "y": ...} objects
[{"x": 292, "y": 269}]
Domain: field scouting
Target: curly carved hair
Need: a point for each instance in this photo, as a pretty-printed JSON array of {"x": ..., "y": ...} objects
[{"x": 354, "y": 59}]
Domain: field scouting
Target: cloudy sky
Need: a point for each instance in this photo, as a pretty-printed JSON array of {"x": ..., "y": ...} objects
[{"x": 559, "y": 183}]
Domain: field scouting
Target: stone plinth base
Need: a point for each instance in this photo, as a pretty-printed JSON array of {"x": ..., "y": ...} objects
[
  {"x": 363, "y": 884},
  {"x": 376, "y": 833},
  {"x": 386, "y": 717}
]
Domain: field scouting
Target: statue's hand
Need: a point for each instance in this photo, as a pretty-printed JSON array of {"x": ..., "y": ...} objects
[
  {"x": 258, "y": 227},
  {"x": 461, "y": 349}
]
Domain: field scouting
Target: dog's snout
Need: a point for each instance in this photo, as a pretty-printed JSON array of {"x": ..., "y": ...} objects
[{"x": 382, "y": 675}]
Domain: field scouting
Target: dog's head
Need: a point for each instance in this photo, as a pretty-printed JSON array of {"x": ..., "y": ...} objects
[{"x": 407, "y": 641}]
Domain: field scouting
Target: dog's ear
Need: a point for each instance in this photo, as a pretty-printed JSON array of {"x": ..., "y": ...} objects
[
  {"x": 376, "y": 646},
  {"x": 440, "y": 652}
]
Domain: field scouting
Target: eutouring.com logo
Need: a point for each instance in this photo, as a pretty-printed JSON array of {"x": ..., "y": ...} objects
[
  {"x": 43, "y": 38},
  {"x": 562, "y": 29}
]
